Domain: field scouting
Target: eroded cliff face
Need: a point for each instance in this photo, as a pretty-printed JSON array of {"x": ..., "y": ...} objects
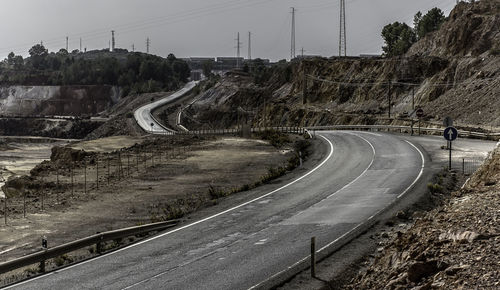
[
  {"x": 472, "y": 30},
  {"x": 56, "y": 100},
  {"x": 452, "y": 72}
]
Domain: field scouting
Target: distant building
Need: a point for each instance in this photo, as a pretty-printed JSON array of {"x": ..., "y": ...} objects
[
  {"x": 370, "y": 55},
  {"x": 197, "y": 62},
  {"x": 196, "y": 75}
]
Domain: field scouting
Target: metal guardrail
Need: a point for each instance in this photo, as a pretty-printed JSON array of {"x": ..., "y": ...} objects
[
  {"x": 401, "y": 128},
  {"x": 82, "y": 243},
  {"x": 291, "y": 130}
]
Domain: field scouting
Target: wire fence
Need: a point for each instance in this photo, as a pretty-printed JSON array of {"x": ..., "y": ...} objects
[
  {"x": 467, "y": 165},
  {"x": 61, "y": 183}
]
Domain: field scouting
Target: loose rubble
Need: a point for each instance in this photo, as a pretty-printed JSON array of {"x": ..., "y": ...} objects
[{"x": 456, "y": 246}]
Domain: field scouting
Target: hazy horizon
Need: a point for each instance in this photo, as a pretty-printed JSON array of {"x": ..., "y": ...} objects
[{"x": 205, "y": 28}]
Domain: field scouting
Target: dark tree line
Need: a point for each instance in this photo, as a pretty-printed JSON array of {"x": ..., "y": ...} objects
[{"x": 134, "y": 72}]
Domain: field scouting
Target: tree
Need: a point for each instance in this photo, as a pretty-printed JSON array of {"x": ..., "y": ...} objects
[
  {"x": 207, "y": 67},
  {"x": 18, "y": 62},
  {"x": 10, "y": 58},
  {"x": 38, "y": 54},
  {"x": 398, "y": 38},
  {"x": 62, "y": 52},
  {"x": 431, "y": 21}
]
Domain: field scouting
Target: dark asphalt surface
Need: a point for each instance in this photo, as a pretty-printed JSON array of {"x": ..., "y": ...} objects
[{"x": 247, "y": 244}]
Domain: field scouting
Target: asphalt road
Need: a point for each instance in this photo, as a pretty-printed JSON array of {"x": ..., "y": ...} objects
[
  {"x": 244, "y": 245},
  {"x": 143, "y": 114}
]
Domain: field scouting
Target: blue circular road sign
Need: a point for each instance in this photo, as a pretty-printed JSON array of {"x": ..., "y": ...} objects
[{"x": 450, "y": 133}]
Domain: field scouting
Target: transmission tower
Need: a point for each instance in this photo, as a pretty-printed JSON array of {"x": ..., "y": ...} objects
[
  {"x": 292, "y": 45},
  {"x": 67, "y": 42},
  {"x": 342, "y": 37},
  {"x": 249, "y": 45},
  {"x": 238, "y": 49},
  {"x": 148, "y": 43},
  {"x": 112, "y": 40}
]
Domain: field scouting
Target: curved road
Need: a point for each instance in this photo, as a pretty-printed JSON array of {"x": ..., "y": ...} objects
[
  {"x": 144, "y": 117},
  {"x": 242, "y": 246}
]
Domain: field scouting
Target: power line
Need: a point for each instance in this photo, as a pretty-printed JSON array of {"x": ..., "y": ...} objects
[
  {"x": 154, "y": 22},
  {"x": 372, "y": 82}
]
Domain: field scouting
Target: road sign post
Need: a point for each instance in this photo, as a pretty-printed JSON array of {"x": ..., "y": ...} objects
[{"x": 450, "y": 134}]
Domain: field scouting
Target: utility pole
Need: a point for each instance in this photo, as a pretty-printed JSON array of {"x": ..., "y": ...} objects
[
  {"x": 292, "y": 44},
  {"x": 67, "y": 42},
  {"x": 302, "y": 52},
  {"x": 133, "y": 48},
  {"x": 342, "y": 36},
  {"x": 304, "y": 80},
  {"x": 389, "y": 98},
  {"x": 112, "y": 40},
  {"x": 80, "y": 44},
  {"x": 249, "y": 45},
  {"x": 238, "y": 48},
  {"x": 148, "y": 43}
]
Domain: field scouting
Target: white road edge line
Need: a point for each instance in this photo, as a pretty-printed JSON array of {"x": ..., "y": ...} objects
[
  {"x": 360, "y": 224},
  {"x": 189, "y": 225}
]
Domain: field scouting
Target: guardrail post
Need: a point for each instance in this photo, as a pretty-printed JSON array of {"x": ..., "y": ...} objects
[
  {"x": 313, "y": 257},
  {"x": 44, "y": 247},
  {"x": 5, "y": 209},
  {"x": 72, "y": 179},
  {"x": 98, "y": 245},
  {"x": 108, "y": 162},
  {"x": 97, "y": 172},
  {"x": 85, "y": 176}
]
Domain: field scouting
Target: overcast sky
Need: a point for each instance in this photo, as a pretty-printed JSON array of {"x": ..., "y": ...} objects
[{"x": 203, "y": 27}]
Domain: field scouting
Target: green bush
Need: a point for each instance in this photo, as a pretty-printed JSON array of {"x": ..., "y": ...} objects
[
  {"x": 434, "y": 188},
  {"x": 275, "y": 138},
  {"x": 62, "y": 260}
]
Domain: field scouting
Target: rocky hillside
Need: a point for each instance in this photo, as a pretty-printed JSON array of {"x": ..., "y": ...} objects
[
  {"x": 57, "y": 100},
  {"x": 456, "y": 246},
  {"x": 451, "y": 72}
]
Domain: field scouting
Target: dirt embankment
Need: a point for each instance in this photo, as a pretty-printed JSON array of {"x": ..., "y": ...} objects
[
  {"x": 456, "y": 246},
  {"x": 122, "y": 120}
]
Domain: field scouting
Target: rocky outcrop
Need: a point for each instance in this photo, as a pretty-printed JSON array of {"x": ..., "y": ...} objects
[
  {"x": 57, "y": 100},
  {"x": 456, "y": 246},
  {"x": 471, "y": 30}
]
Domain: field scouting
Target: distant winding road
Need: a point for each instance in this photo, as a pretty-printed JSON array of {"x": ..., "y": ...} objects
[
  {"x": 144, "y": 117},
  {"x": 243, "y": 245}
]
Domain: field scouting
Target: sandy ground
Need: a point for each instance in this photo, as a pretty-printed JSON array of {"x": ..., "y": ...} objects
[{"x": 180, "y": 176}]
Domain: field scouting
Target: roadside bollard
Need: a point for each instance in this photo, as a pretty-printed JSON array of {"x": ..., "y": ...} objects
[
  {"x": 313, "y": 257},
  {"x": 98, "y": 246}
]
